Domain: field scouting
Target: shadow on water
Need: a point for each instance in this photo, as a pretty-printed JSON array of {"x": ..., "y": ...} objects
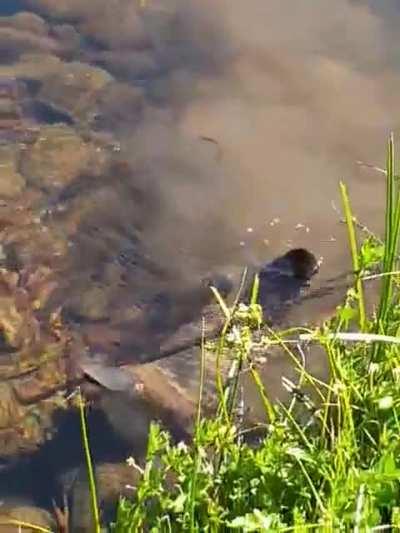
[{"x": 61, "y": 454}]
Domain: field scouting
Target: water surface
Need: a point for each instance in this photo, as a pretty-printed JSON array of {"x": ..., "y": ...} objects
[{"x": 144, "y": 149}]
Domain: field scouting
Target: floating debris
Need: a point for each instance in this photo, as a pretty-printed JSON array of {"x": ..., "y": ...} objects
[
  {"x": 302, "y": 226},
  {"x": 274, "y": 221}
]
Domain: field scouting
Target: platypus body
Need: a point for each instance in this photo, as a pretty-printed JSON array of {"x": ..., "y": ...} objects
[{"x": 173, "y": 320}]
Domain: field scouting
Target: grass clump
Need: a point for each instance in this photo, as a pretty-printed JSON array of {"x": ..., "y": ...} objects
[{"x": 331, "y": 463}]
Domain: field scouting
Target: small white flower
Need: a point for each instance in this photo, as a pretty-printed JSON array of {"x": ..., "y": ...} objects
[
  {"x": 181, "y": 446},
  {"x": 131, "y": 462},
  {"x": 385, "y": 403},
  {"x": 208, "y": 468},
  {"x": 234, "y": 335},
  {"x": 373, "y": 367}
]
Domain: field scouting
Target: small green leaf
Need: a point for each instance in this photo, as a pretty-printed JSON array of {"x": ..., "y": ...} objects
[
  {"x": 254, "y": 290},
  {"x": 221, "y": 302}
]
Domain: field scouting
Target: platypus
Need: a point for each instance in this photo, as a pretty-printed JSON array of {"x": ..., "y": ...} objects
[{"x": 174, "y": 321}]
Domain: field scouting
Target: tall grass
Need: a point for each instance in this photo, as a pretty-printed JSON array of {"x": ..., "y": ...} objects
[
  {"x": 354, "y": 255},
  {"x": 89, "y": 466}
]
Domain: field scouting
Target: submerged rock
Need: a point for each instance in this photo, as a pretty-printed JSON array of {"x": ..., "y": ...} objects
[
  {"x": 92, "y": 304},
  {"x": 57, "y": 158},
  {"x": 25, "y": 513},
  {"x": 10, "y": 412},
  {"x": 73, "y": 87},
  {"x": 33, "y": 66},
  {"x": 32, "y": 363},
  {"x": 27, "y": 21},
  {"x": 117, "y": 106},
  {"x": 15, "y": 42},
  {"x": 112, "y": 481}
]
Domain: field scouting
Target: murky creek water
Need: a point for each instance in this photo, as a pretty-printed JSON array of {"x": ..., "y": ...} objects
[{"x": 144, "y": 148}]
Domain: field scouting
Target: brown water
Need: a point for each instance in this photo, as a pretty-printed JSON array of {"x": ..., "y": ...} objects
[{"x": 147, "y": 145}]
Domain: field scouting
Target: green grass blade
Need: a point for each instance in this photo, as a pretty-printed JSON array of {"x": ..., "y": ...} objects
[
  {"x": 354, "y": 254},
  {"x": 89, "y": 466},
  {"x": 196, "y": 463},
  {"x": 392, "y": 231},
  {"x": 255, "y": 289},
  {"x": 221, "y": 303}
]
